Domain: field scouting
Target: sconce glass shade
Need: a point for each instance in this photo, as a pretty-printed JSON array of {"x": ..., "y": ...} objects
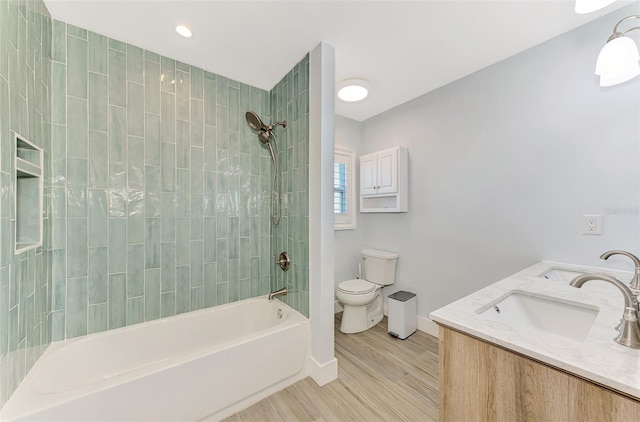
[
  {"x": 618, "y": 61},
  {"x": 588, "y": 6},
  {"x": 611, "y": 79}
]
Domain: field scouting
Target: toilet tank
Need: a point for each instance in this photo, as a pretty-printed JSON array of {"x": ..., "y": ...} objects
[{"x": 379, "y": 266}]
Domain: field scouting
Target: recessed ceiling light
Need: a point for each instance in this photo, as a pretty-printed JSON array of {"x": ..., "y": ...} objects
[
  {"x": 352, "y": 90},
  {"x": 183, "y": 31}
]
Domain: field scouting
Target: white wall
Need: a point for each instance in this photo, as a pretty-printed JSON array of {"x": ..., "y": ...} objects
[
  {"x": 503, "y": 164},
  {"x": 323, "y": 366}
]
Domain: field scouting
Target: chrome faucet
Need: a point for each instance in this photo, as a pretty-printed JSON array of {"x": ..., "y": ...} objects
[
  {"x": 281, "y": 292},
  {"x": 635, "y": 281},
  {"x": 629, "y": 328}
]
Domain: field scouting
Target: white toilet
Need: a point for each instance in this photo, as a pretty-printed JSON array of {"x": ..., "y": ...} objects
[{"x": 362, "y": 297}]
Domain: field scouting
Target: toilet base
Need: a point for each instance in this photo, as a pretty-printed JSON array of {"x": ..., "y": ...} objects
[{"x": 356, "y": 319}]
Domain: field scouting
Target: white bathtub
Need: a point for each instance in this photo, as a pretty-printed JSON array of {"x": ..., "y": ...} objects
[{"x": 200, "y": 365}]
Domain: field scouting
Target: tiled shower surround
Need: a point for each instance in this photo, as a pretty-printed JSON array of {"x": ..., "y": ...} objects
[
  {"x": 157, "y": 193},
  {"x": 25, "y": 327},
  {"x": 161, "y": 192},
  {"x": 290, "y": 102}
]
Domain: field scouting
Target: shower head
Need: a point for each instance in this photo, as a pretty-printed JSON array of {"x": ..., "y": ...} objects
[
  {"x": 265, "y": 132},
  {"x": 265, "y": 136},
  {"x": 257, "y": 125},
  {"x": 255, "y": 122}
]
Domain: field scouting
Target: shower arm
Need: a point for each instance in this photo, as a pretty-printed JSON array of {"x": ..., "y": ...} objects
[{"x": 274, "y": 124}]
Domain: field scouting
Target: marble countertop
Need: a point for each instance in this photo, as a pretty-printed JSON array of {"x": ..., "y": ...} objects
[{"x": 597, "y": 358}]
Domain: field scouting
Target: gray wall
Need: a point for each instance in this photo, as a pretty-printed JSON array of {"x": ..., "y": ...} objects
[
  {"x": 348, "y": 242},
  {"x": 503, "y": 164}
]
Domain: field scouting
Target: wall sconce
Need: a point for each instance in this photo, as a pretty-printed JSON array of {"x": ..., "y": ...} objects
[{"x": 618, "y": 59}]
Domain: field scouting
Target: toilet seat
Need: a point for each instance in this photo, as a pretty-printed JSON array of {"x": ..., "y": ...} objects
[{"x": 357, "y": 286}]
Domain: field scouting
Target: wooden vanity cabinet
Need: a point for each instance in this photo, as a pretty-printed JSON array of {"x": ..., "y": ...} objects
[{"x": 483, "y": 382}]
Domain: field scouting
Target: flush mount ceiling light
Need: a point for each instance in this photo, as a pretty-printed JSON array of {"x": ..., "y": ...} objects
[
  {"x": 588, "y": 6},
  {"x": 352, "y": 90},
  {"x": 618, "y": 59},
  {"x": 183, "y": 31}
]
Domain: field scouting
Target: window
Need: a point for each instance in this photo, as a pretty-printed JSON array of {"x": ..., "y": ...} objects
[{"x": 344, "y": 188}]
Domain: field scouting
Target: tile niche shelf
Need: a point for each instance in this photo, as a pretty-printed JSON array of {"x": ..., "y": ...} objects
[{"x": 28, "y": 195}]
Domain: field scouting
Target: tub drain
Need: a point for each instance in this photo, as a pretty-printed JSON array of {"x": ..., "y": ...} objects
[
  {"x": 279, "y": 313},
  {"x": 496, "y": 309}
]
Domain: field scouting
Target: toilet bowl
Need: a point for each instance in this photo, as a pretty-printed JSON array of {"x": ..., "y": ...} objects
[
  {"x": 362, "y": 303},
  {"x": 362, "y": 298}
]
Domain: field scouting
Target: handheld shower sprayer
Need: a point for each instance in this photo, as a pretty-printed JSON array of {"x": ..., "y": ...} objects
[{"x": 266, "y": 137}]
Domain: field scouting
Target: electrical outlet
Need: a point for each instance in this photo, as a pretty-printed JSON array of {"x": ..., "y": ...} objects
[{"x": 591, "y": 224}]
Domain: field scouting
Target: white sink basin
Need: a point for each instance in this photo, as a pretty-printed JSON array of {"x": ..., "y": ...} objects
[
  {"x": 560, "y": 274},
  {"x": 543, "y": 314}
]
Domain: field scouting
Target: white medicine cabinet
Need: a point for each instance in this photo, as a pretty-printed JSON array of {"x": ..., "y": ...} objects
[{"x": 384, "y": 177}]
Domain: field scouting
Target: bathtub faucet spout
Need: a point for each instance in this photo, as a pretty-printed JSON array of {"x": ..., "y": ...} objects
[{"x": 281, "y": 292}]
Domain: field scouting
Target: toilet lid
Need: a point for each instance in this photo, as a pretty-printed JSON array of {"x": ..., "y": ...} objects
[{"x": 356, "y": 286}]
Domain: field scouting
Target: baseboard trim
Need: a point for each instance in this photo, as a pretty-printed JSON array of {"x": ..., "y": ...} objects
[
  {"x": 428, "y": 326},
  {"x": 323, "y": 373}
]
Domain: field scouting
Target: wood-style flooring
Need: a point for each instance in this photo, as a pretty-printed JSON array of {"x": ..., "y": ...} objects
[{"x": 380, "y": 378}]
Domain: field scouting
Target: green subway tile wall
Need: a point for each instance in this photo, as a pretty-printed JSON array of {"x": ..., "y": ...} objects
[
  {"x": 290, "y": 102},
  {"x": 25, "y": 108},
  {"x": 161, "y": 189}
]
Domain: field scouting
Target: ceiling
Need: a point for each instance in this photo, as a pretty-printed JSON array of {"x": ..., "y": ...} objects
[{"x": 403, "y": 48}]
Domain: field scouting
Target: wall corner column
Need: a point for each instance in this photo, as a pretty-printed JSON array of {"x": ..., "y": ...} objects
[{"x": 323, "y": 366}]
